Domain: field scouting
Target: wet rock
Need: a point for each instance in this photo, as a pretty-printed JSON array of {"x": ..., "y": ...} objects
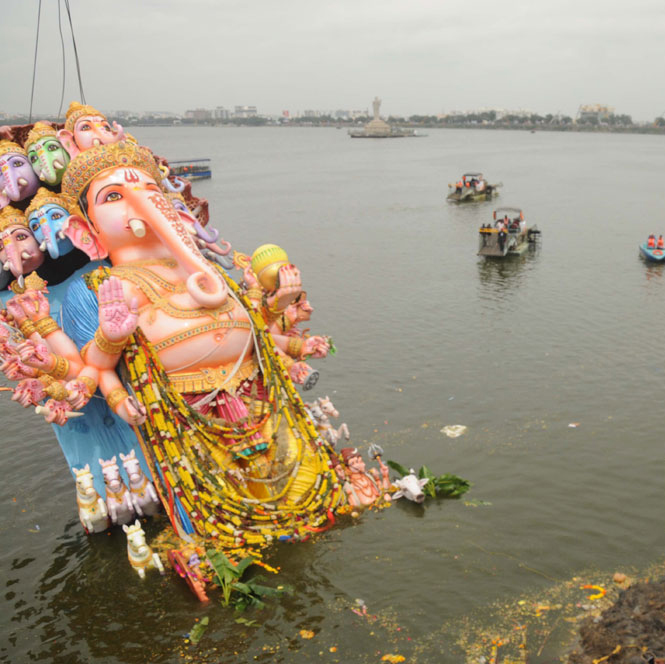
[{"x": 636, "y": 622}]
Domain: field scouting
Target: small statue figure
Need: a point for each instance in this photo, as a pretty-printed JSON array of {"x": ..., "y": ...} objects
[
  {"x": 17, "y": 179},
  {"x": 141, "y": 556},
  {"x": 364, "y": 487},
  {"x": 118, "y": 499},
  {"x": 143, "y": 494},
  {"x": 322, "y": 410},
  {"x": 410, "y": 487},
  {"x": 46, "y": 153},
  {"x": 92, "y": 509}
]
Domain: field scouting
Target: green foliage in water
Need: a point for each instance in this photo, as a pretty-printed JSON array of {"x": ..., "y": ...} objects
[
  {"x": 236, "y": 592},
  {"x": 439, "y": 486}
]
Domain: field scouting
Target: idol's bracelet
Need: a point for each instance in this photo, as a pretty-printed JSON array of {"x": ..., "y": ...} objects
[
  {"x": 254, "y": 294},
  {"x": 46, "y": 326},
  {"x": 294, "y": 347},
  {"x": 90, "y": 384},
  {"x": 116, "y": 397},
  {"x": 27, "y": 328},
  {"x": 56, "y": 390},
  {"x": 107, "y": 346},
  {"x": 61, "y": 368}
]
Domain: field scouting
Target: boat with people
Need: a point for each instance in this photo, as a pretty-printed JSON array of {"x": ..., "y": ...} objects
[
  {"x": 472, "y": 187},
  {"x": 653, "y": 250},
  {"x": 508, "y": 234},
  {"x": 191, "y": 169}
]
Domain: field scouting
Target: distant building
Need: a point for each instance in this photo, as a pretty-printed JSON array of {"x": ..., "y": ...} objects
[
  {"x": 245, "y": 112},
  {"x": 221, "y": 113},
  {"x": 198, "y": 115},
  {"x": 594, "y": 113}
]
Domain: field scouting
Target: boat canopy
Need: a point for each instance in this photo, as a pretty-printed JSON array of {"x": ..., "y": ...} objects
[
  {"x": 478, "y": 176},
  {"x": 510, "y": 211}
]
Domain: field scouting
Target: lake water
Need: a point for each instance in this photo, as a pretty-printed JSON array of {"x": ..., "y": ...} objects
[{"x": 428, "y": 335}]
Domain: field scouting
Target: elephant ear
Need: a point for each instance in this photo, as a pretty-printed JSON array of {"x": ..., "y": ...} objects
[
  {"x": 77, "y": 230},
  {"x": 66, "y": 137}
]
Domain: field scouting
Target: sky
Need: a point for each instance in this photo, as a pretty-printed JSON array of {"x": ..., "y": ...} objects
[{"x": 419, "y": 56}]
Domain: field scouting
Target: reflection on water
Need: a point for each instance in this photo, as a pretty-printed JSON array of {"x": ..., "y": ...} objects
[{"x": 501, "y": 278}]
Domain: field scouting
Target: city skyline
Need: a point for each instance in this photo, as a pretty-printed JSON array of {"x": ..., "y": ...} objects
[{"x": 420, "y": 57}]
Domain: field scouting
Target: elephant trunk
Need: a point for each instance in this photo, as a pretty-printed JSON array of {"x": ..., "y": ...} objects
[
  {"x": 51, "y": 241},
  {"x": 48, "y": 173},
  {"x": 206, "y": 234},
  {"x": 14, "y": 259},
  {"x": 10, "y": 186},
  {"x": 204, "y": 283}
]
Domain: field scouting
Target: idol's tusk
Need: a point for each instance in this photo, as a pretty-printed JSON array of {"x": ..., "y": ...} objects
[
  {"x": 42, "y": 246},
  {"x": 42, "y": 410},
  {"x": 137, "y": 227},
  {"x": 21, "y": 281},
  {"x": 22, "y": 182},
  {"x": 57, "y": 164},
  {"x": 25, "y": 255}
]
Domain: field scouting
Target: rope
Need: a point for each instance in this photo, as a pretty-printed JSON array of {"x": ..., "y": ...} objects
[
  {"x": 34, "y": 64},
  {"x": 64, "y": 68},
  {"x": 76, "y": 55}
]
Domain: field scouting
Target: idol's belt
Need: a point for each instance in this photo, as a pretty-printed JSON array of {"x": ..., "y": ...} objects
[
  {"x": 201, "y": 329},
  {"x": 212, "y": 378}
]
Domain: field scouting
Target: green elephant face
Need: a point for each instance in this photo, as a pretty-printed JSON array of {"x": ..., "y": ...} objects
[{"x": 48, "y": 159}]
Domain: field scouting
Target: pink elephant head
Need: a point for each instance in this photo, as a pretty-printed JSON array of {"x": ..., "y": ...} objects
[
  {"x": 86, "y": 127},
  {"x": 130, "y": 219},
  {"x": 19, "y": 251},
  {"x": 17, "y": 179}
]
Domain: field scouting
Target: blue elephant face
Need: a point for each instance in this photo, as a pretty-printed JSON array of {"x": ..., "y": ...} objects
[{"x": 46, "y": 223}]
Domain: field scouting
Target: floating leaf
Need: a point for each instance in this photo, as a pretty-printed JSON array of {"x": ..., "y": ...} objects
[{"x": 198, "y": 630}]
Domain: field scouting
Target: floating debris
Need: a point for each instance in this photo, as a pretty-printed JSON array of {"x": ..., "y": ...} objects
[{"x": 454, "y": 430}]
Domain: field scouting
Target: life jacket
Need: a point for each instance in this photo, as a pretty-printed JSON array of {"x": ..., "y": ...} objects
[
  {"x": 651, "y": 244},
  {"x": 661, "y": 242}
]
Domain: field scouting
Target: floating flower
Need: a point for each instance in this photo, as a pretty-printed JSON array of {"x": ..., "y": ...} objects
[{"x": 306, "y": 634}]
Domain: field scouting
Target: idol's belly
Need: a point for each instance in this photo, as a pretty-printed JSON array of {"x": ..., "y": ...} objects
[{"x": 188, "y": 344}]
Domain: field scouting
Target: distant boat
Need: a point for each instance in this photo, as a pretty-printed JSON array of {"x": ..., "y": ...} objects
[
  {"x": 655, "y": 255},
  {"x": 478, "y": 189},
  {"x": 497, "y": 241},
  {"x": 192, "y": 169}
]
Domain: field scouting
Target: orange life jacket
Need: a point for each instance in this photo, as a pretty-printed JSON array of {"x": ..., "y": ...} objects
[
  {"x": 661, "y": 242},
  {"x": 651, "y": 244}
]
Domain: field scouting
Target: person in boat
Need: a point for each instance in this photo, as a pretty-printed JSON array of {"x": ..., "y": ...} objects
[
  {"x": 458, "y": 186},
  {"x": 661, "y": 242},
  {"x": 651, "y": 241}
]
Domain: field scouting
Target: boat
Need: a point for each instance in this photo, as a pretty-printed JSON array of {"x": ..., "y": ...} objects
[
  {"x": 473, "y": 187},
  {"x": 192, "y": 169},
  {"x": 652, "y": 254},
  {"x": 509, "y": 234}
]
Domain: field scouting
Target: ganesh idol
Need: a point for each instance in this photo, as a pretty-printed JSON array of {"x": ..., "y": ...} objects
[
  {"x": 86, "y": 127},
  {"x": 186, "y": 358}
]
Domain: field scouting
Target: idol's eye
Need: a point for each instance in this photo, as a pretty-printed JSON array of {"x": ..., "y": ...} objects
[
  {"x": 56, "y": 215},
  {"x": 85, "y": 127},
  {"x": 19, "y": 237},
  {"x": 52, "y": 147},
  {"x": 34, "y": 225},
  {"x": 112, "y": 196},
  {"x": 17, "y": 163},
  {"x": 33, "y": 157},
  {"x": 106, "y": 127}
]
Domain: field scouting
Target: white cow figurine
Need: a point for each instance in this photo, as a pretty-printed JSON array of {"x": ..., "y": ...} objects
[
  {"x": 141, "y": 556},
  {"x": 118, "y": 500},
  {"x": 410, "y": 487},
  {"x": 92, "y": 509},
  {"x": 144, "y": 496}
]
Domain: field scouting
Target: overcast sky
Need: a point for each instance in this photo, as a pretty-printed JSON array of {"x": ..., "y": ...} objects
[{"x": 418, "y": 56}]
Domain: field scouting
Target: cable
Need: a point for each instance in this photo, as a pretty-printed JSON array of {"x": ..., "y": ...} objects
[
  {"x": 34, "y": 64},
  {"x": 76, "y": 55},
  {"x": 64, "y": 68}
]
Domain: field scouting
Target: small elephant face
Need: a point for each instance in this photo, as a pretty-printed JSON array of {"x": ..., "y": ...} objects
[
  {"x": 47, "y": 223},
  {"x": 19, "y": 250},
  {"x": 18, "y": 181},
  {"x": 48, "y": 159}
]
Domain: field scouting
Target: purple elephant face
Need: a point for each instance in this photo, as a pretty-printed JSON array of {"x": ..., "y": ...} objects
[{"x": 17, "y": 179}]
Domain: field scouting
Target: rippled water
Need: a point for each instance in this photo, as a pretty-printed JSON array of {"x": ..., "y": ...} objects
[{"x": 428, "y": 335}]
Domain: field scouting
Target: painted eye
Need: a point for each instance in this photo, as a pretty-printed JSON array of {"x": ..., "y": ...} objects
[
  {"x": 17, "y": 163},
  {"x": 33, "y": 157},
  {"x": 85, "y": 127},
  {"x": 112, "y": 196},
  {"x": 106, "y": 127},
  {"x": 34, "y": 225},
  {"x": 52, "y": 147},
  {"x": 56, "y": 215},
  {"x": 19, "y": 237}
]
